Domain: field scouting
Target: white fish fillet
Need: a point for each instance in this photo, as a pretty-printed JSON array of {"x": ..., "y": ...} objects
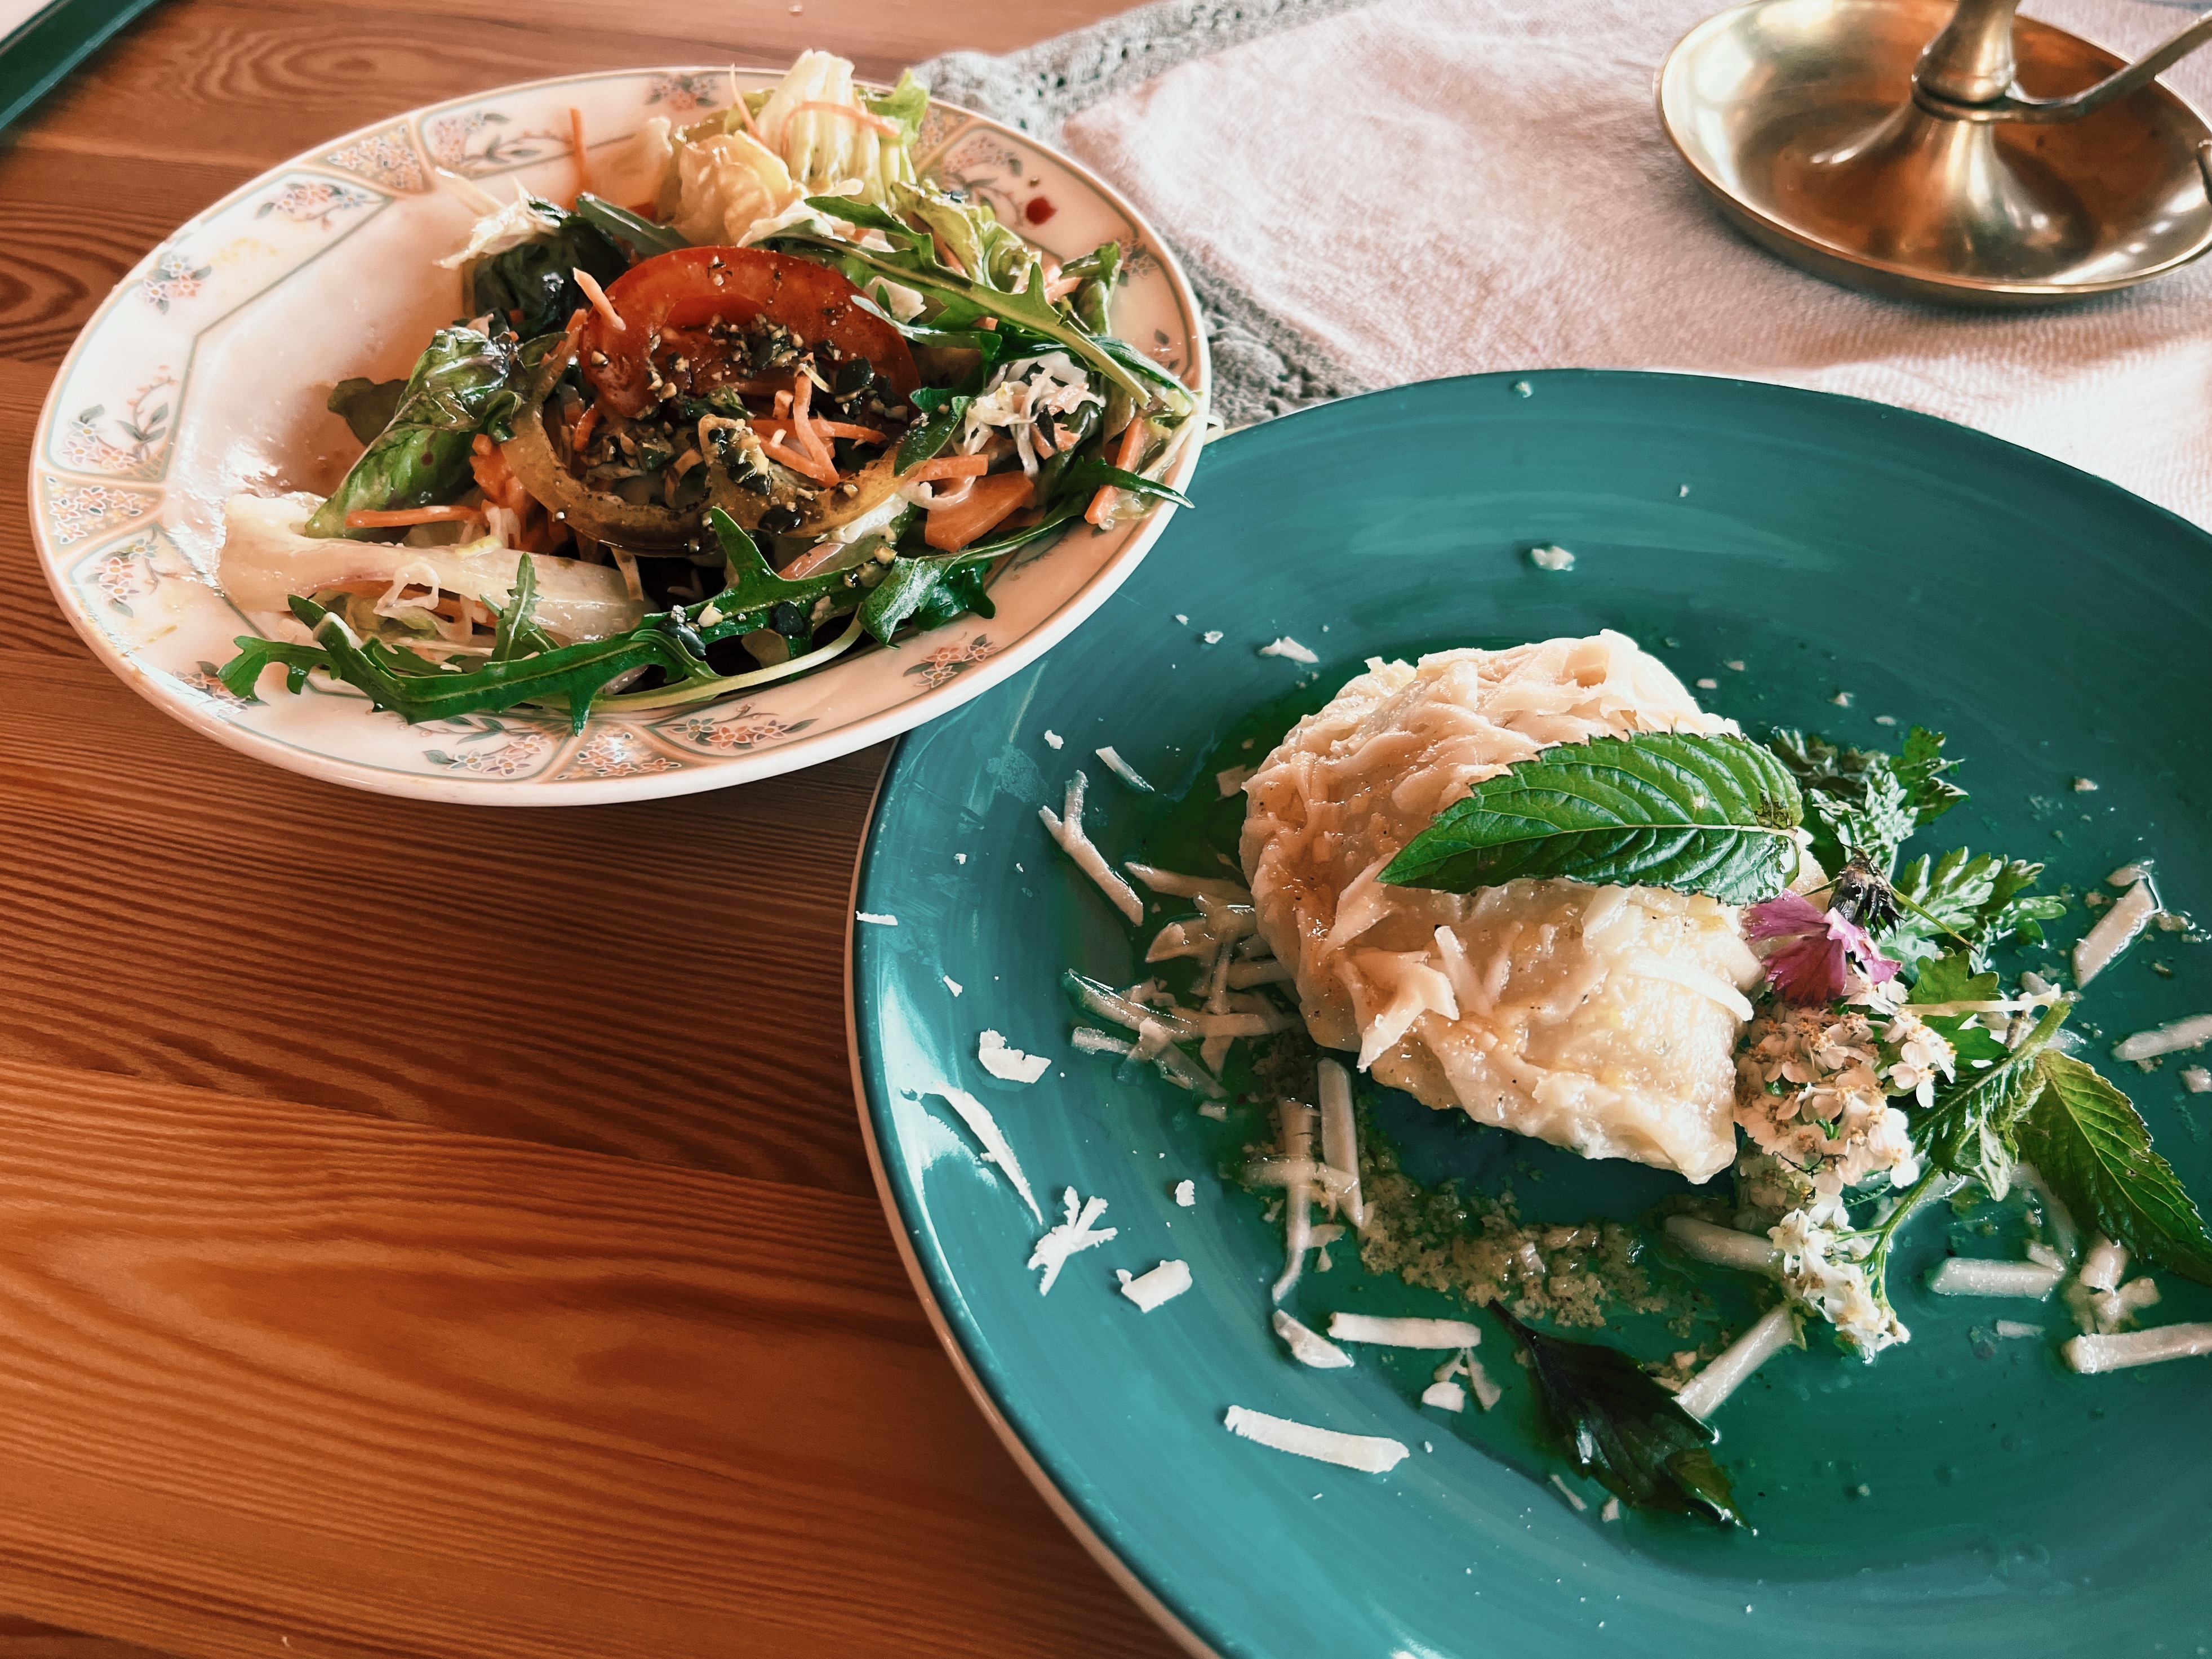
[{"x": 1599, "y": 1018}]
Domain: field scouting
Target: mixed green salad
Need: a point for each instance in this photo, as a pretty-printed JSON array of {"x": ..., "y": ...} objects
[{"x": 772, "y": 395}]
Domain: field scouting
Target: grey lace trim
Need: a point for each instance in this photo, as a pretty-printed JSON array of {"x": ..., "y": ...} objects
[{"x": 1262, "y": 366}]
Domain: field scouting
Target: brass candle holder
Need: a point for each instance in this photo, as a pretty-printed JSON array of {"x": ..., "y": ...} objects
[{"x": 1890, "y": 145}]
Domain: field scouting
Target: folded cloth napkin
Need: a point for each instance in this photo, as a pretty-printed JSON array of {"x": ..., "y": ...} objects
[{"x": 1373, "y": 194}]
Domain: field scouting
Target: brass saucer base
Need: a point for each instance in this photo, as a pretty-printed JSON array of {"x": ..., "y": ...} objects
[{"x": 1798, "y": 115}]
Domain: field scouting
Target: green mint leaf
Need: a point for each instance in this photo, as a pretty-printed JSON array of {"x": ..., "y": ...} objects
[
  {"x": 1663, "y": 809},
  {"x": 1971, "y": 1130},
  {"x": 1625, "y": 1429},
  {"x": 2087, "y": 1139}
]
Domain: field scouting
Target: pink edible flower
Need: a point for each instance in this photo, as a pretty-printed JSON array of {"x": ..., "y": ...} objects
[{"x": 1814, "y": 950}]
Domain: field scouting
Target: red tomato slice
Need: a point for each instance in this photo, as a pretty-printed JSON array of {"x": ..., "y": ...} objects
[{"x": 675, "y": 295}]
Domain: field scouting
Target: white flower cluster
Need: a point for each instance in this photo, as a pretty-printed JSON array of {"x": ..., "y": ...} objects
[
  {"x": 1824, "y": 1267},
  {"x": 1814, "y": 1090}
]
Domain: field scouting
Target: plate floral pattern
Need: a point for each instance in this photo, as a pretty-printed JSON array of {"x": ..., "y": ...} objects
[{"x": 167, "y": 404}]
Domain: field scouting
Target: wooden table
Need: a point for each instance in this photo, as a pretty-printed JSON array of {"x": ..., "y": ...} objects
[{"x": 426, "y": 1231}]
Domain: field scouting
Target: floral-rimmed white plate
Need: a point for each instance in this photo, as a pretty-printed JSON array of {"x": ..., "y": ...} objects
[{"x": 204, "y": 373}]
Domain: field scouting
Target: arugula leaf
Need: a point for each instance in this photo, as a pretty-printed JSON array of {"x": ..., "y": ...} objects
[
  {"x": 985, "y": 287},
  {"x": 418, "y": 689},
  {"x": 1625, "y": 1429},
  {"x": 2088, "y": 1142},
  {"x": 1669, "y": 809},
  {"x": 518, "y": 634},
  {"x": 619, "y": 224},
  {"x": 367, "y": 405},
  {"x": 1090, "y": 472},
  {"x": 926, "y": 592},
  {"x": 1971, "y": 1130}
]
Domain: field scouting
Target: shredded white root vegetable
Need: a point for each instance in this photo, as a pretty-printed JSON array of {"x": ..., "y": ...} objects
[
  {"x": 2090, "y": 1354},
  {"x": 1566, "y": 1491},
  {"x": 1309, "y": 1346},
  {"x": 985, "y": 1128},
  {"x": 1339, "y": 1139},
  {"x": 2116, "y": 929},
  {"x": 1077, "y": 1231},
  {"x": 1185, "y": 1195},
  {"x": 1162, "y": 1284},
  {"x": 1089, "y": 1039},
  {"x": 1121, "y": 768},
  {"x": 1724, "y": 1246},
  {"x": 1444, "y": 1397},
  {"x": 1295, "y": 1120},
  {"x": 1387, "y": 1332},
  {"x": 1960, "y": 1275},
  {"x": 2183, "y": 1034},
  {"x": 2105, "y": 1266},
  {"x": 2012, "y": 1328},
  {"x": 1067, "y": 831},
  {"x": 1287, "y": 646},
  {"x": 1178, "y": 885},
  {"x": 1487, "y": 1392},
  {"x": 1243, "y": 975},
  {"x": 1733, "y": 1365},
  {"x": 1370, "y": 1454}
]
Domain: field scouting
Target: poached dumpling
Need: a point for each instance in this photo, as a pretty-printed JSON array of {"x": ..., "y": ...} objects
[{"x": 1602, "y": 1019}]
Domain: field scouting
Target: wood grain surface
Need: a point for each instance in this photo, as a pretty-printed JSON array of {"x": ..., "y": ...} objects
[{"x": 526, "y": 1294}]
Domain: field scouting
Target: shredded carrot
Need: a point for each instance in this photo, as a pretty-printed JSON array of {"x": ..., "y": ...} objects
[
  {"x": 866, "y": 434},
  {"x": 945, "y": 256},
  {"x": 852, "y": 112},
  {"x": 601, "y": 303},
  {"x": 745, "y": 114},
  {"x": 374, "y": 519},
  {"x": 805, "y": 465},
  {"x": 1041, "y": 438},
  {"x": 573, "y": 331},
  {"x": 987, "y": 322},
  {"x": 802, "y": 398},
  {"x": 949, "y": 466},
  {"x": 1133, "y": 440},
  {"x": 585, "y": 422},
  {"x": 576, "y": 144},
  {"x": 1061, "y": 287}
]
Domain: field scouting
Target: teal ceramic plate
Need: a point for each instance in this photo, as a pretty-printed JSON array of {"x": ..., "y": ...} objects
[{"x": 1964, "y": 1495}]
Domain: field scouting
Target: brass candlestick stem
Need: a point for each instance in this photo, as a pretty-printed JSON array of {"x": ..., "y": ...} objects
[{"x": 1890, "y": 145}]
